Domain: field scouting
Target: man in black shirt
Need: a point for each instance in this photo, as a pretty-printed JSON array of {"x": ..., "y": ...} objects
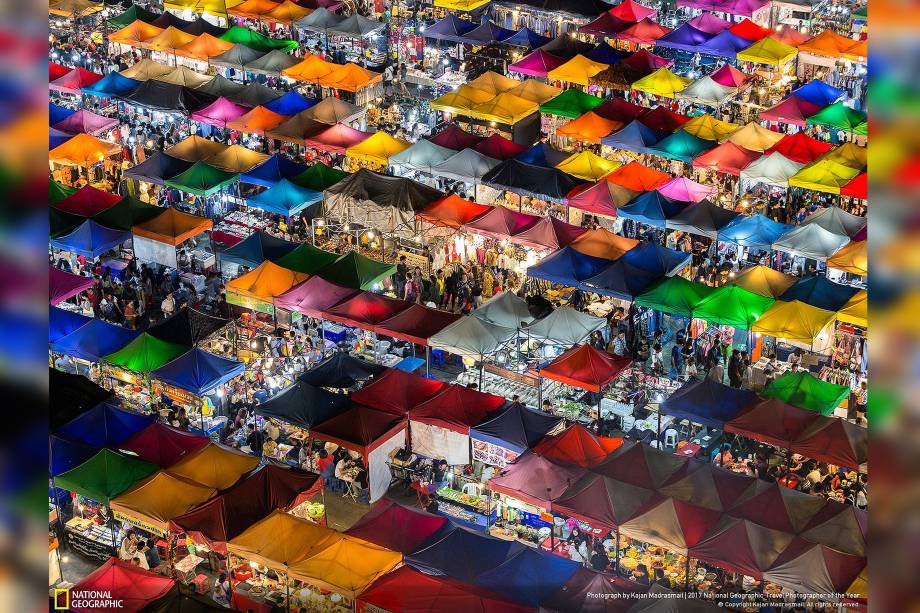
[
  {"x": 255, "y": 440},
  {"x": 400, "y": 276}
]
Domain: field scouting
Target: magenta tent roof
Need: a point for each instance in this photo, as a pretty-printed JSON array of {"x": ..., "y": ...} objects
[
  {"x": 454, "y": 137},
  {"x": 63, "y": 285},
  {"x": 533, "y": 479},
  {"x": 709, "y": 23},
  {"x": 396, "y": 527},
  {"x": 87, "y": 122},
  {"x": 416, "y": 324},
  {"x": 163, "y": 445},
  {"x": 792, "y": 110},
  {"x": 219, "y": 112},
  {"x": 337, "y": 138},
  {"x": 646, "y": 32},
  {"x": 686, "y": 190},
  {"x": 549, "y": 233},
  {"x": 501, "y": 223},
  {"x": 632, "y": 11},
  {"x": 744, "y": 8},
  {"x": 605, "y": 25},
  {"x": 536, "y": 64},
  {"x": 729, "y": 76},
  {"x": 314, "y": 296},
  {"x": 645, "y": 60}
]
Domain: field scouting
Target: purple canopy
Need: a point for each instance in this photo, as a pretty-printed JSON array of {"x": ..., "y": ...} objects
[
  {"x": 745, "y": 8},
  {"x": 724, "y": 44},
  {"x": 536, "y": 64},
  {"x": 63, "y": 285},
  {"x": 219, "y": 112},
  {"x": 87, "y": 122},
  {"x": 684, "y": 38},
  {"x": 451, "y": 28},
  {"x": 709, "y": 23}
]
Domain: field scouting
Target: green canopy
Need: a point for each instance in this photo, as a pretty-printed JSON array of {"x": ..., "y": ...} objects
[
  {"x": 252, "y": 39},
  {"x": 732, "y": 306},
  {"x": 838, "y": 115},
  {"x": 57, "y": 192},
  {"x": 862, "y": 129},
  {"x": 61, "y": 222},
  {"x": 681, "y": 146},
  {"x": 355, "y": 270},
  {"x": 307, "y": 259},
  {"x": 202, "y": 179},
  {"x": 131, "y": 15},
  {"x": 572, "y": 103},
  {"x": 804, "y": 390},
  {"x": 676, "y": 296},
  {"x": 127, "y": 212},
  {"x": 319, "y": 177},
  {"x": 145, "y": 353},
  {"x": 862, "y": 12},
  {"x": 105, "y": 475}
]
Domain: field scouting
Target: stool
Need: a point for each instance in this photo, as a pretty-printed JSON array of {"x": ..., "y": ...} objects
[
  {"x": 202, "y": 584},
  {"x": 670, "y": 438},
  {"x": 628, "y": 422},
  {"x": 161, "y": 548}
]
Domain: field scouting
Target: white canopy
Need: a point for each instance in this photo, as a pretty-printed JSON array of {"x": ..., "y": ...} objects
[
  {"x": 836, "y": 220},
  {"x": 472, "y": 337},
  {"x": 468, "y": 165},
  {"x": 773, "y": 169},
  {"x": 505, "y": 309},
  {"x": 707, "y": 92},
  {"x": 811, "y": 241},
  {"x": 422, "y": 156},
  {"x": 565, "y": 326}
]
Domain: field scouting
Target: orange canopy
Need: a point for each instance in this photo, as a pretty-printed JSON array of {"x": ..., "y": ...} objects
[
  {"x": 214, "y": 466},
  {"x": 637, "y": 177},
  {"x": 172, "y": 227},
  {"x": 135, "y": 34},
  {"x": 312, "y": 69},
  {"x": 257, "y": 121},
  {"x": 589, "y": 128},
  {"x": 350, "y": 78},
  {"x": 287, "y": 13},
  {"x": 265, "y": 282},
  {"x": 82, "y": 150},
  {"x": 828, "y": 43},
  {"x": 858, "y": 52},
  {"x": 204, "y": 47},
  {"x": 253, "y": 8},
  {"x": 603, "y": 243},
  {"x": 169, "y": 40}
]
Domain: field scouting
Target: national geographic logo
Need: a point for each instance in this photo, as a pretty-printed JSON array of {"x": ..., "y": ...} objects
[{"x": 64, "y": 599}]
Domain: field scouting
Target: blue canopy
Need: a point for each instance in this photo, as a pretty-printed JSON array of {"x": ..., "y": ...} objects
[
  {"x": 66, "y": 454},
  {"x": 755, "y": 231},
  {"x": 62, "y": 322},
  {"x": 341, "y": 371},
  {"x": 451, "y": 29},
  {"x": 724, "y": 44},
  {"x": 516, "y": 428},
  {"x": 819, "y": 93},
  {"x": 635, "y": 136},
  {"x": 485, "y": 33},
  {"x": 623, "y": 279},
  {"x": 820, "y": 292},
  {"x": 94, "y": 340},
  {"x": 257, "y": 248},
  {"x": 113, "y": 84},
  {"x": 157, "y": 169},
  {"x": 567, "y": 267},
  {"x": 605, "y": 54},
  {"x": 525, "y": 37},
  {"x": 91, "y": 239},
  {"x": 290, "y": 103},
  {"x": 656, "y": 258},
  {"x": 685, "y": 38},
  {"x": 463, "y": 554},
  {"x": 198, "y": 371},
  {"x": 651, "y": 208},
  {"x": 707, "y": 402},
  {"x": 529, "y": 576},
  {"x": 104, "y": 425},
  {"x": 285, "y": 198},
  {"x": 57, "y": 113},
  {"x": 272, "y": 170},
  {"x": 542, "y": 154},
  {"x": 56, "y": 138}
]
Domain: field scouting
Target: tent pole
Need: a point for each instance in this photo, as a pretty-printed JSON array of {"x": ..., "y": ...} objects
[
  {"x": 482, "y": 365},
  {"x": 616, "y": 550},
  {"x": 322, "y": 339},
  {"x": 687, "y": 572},
  {"x": 427, "y": 361},
  {"x": 539, "y": 393},
  {"x": 660, "y": 446}
]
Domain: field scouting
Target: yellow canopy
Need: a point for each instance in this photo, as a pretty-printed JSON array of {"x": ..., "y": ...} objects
[
  {"x": 311, "y": 69},
  {"x": 535, "y": 91},
  {"x": 577, "y": 70},
  {"x": 707, "y": 127},
  {"x": 768, "y": 51},
  {"x": 493, "y": 83},
  {"x": 280, "y": 540},
  {"x": 504, "y": 108},
  {"x": 662, "y": 83},
  {"x": 265, "y": 282},
  {"x": 461, "y": 100},
  {"x": 215, "y": 466},
  {"x": 287, "y": 13},
  {"x": 850, "y": 155},
  {"x": 823, "y": 176},
  {"x": 195, "y": 148},
  {"x": 348, "y": 566},
  {"x": 185, "y": 76},
  {"x": 205, "y": 47},
  {"x": 794, "y": 321},
  {"x": 461, "y": 5},
  {"x": 587, "y": 165},
  {"x": 71, "y": 8},
  {"x": 237, "y": 158},
  {"x": 83, "y": 150},
  {"x": 145, "y": 70},
  {"x": 856, "y": 310},
  {"x": 215, "y": 7},
  {"x": 377, "y": 148},
  {"x": 169, "y": 40},
  {"x": 135, "y": 34},
  {"x": 755, "y": 137},
  {"x": 764, "y": 281},
  {"x": 253, "y": 8},
  {"x": 152, "y": 503},
  {"x": 350, "y": 78},
  {"x": 852, "y": 258}
]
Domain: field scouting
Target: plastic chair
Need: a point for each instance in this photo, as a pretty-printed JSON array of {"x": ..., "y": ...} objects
[
  {"x": 628, "y": 422},
  {"x": 472, "y": 489},
  {"x": 437, "y": 357},
  {"x": 670, "y": 438}
]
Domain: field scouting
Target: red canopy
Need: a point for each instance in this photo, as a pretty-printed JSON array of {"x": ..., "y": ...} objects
[
  {"x": 452, "y": 211},
  {"x": 408, "y": 590},
  {"x": 703, "y": 484},
  {"x": 454, "y": 137},
  {"x": 416, "y": 324},
  {"x": 602, "y": 197},
  {"x": 604, "y": 502},
  {"x": 396, "y": 527},
  {"x": 729, "y": 76},
  {"x": 585, "y": 367},
  {"x": 337, "y": 138},
  {"x": 534, "y": 479},
  {"x": 549, "y": 233},
  {"x": 641, "y": 465},
  {"x": 741, "y": 546},
  {"x": 365, "y": 310},
  {"x": 498, "y": 147},
  {"x": 773, "y": 422},
  {"x": 748, "y": 30},
  {"x": 87, "y": 201},
  {"x": 645, "y": 61},
  {"x": 56, "y": 71},
  {"x": 858, "y": 187},
  {"x": 637, "y": 177},
  {"x": 777, "y": 507},
  {"x": 841, "y": 526},
  {"x": 663, "y": 119},
  {"x": 792, "y": 110},
  {"x": 800, "y": 147},
  {"x": 74, "y": 80},
  {"x": 605, "y": 25},
  {"x": 617, "y": 109},
  {"x": 163, "y": 445},
  {"x": 360, "y": 429},
  {"x": 501, "y": 223},
  {"x": 727, "y": 158},
  {"x": 577, "y": 446},
  {"x": 397, "y": 392},
  {"x": 645, "y": 32},
  {"x": 835, "y": 441},
  {"x": 456, "y": 408},
  {"x": 314, "y": 296},
  {"x": 587, "y": 592},
  {"x": 672, "y": 524},
  {"x": 134, "y": 588},
  {"x": 632, "y": 11}
]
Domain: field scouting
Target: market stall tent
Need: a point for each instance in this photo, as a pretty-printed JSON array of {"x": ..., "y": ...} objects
[
  {"x": 707, "y": 402},
  {"x": 733, "y": 306},
  {"x": 256, "y": 248},
  {"x": 303, "y": 405},
  {"x": 602, "y": 198},
  {"x": 397, "y": 392},
  {"x": 188, "y": 327},
  {"x": 764, "y": 281},
  {"x": 290, "y": 104},
  {"x": 837, "y": 221},
  {"x": 452, "y": 211},
  {"x": 602, "y": 501},
  {"x": 767, "y": 51},
  {"x": 794, "y": 111},
  {"x": 811, "y": 241},
  {"x": 835, "y": 441},
  {"x": 741, "y": 546},
  {"x": 796, "y": 322},
  {"x": 202, "y": 179},
  {"x": 195, "y": 148},
  {"x": 754, "y": 232},
  {"x": 91, "y": 240},
  {"x": 136, "y": 588},
  {"x": 416, "y": 324},
  {"x": 341, "y": 371},
  {"x": 662, "y": 83},
  {"x": 517, "y": 428},
  {"x": 162, "y": 444},
  {"x": 536, "y": 64},
  {"x": 356, "y": 270},
  {"x": 440, "y": 425},
  {"x": 772, "y": 169},
  {"x": 703, "y": 219},
  {"x": 83, "y": 150},
  {"x": 809, "y": 568},
  {"x": 675, "y": 296},
  {"x": 85, "y": 122},
  {"x": 104, "y": 425},
  {"x": 63, "y": 285},
  {"x": 319, "y": 177},
  {"x": 144, "y": 354},
  {"x": 198, "y": 372},
  {"x": 471, "y": 337},
  {"x": 548, "y": 233},
  {"x": 105, "y": 475},
  {"x": 91, "y": 342},
  {"x": 260, "y": 286},
  {"x": 571, "y": 103},
  {"x": 127, "y": 213},
  {"x": 852, "y": 258},
  {"x": 707, "y": 92},
  {"x": 313, "y": 297},
  {"x": 158, "y": 168},
  {"x": 285, "y": 198},
  {"x": 347, "y": 566},
  {"x": 584, "y": 367},
  {"x": 365, "y": 310},
  {"x": 306, "y": 259},
  {"x": 819, "y": 291},
  {"x": 62, "y": 322},
  {"x": 422, "y": 156},
  {"x": 589, "y": 127},
  {"x": 804, "y": 390},
  {"x": 637, "y": 177},
  {"x": 152, "y": 503},
  {"x": 454, "y": 137}
]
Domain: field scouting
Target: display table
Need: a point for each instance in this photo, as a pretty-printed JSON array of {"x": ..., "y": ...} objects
[
  {"x": 690, "y": 450},
  {"x": 89, "y": 539},
  {"x": 242, "y": 600}
]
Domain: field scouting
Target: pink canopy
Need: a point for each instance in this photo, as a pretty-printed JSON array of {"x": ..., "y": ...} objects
[
  {"x": 337, "y": 138},
  {"x": 686, "y": 190},
  {"x": 792, "y": 110},
  {"x": 536, "y": 64},
  {"x": 219, "y": 112},
  {"x": 729, "y": 76},
  {"x": 602, "y": 197},
  {"x": 709, "y": 23},
  {"x": 314, "y": 296},
  {"x": 86, "y": 122},
  {"x": 501, "y": 223},
  {"x": 549, "y": 233},
  {"x": 63, "y": 285},
  {"x": 727, "y": 158},
  {"x": 533, "y": 479}
]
